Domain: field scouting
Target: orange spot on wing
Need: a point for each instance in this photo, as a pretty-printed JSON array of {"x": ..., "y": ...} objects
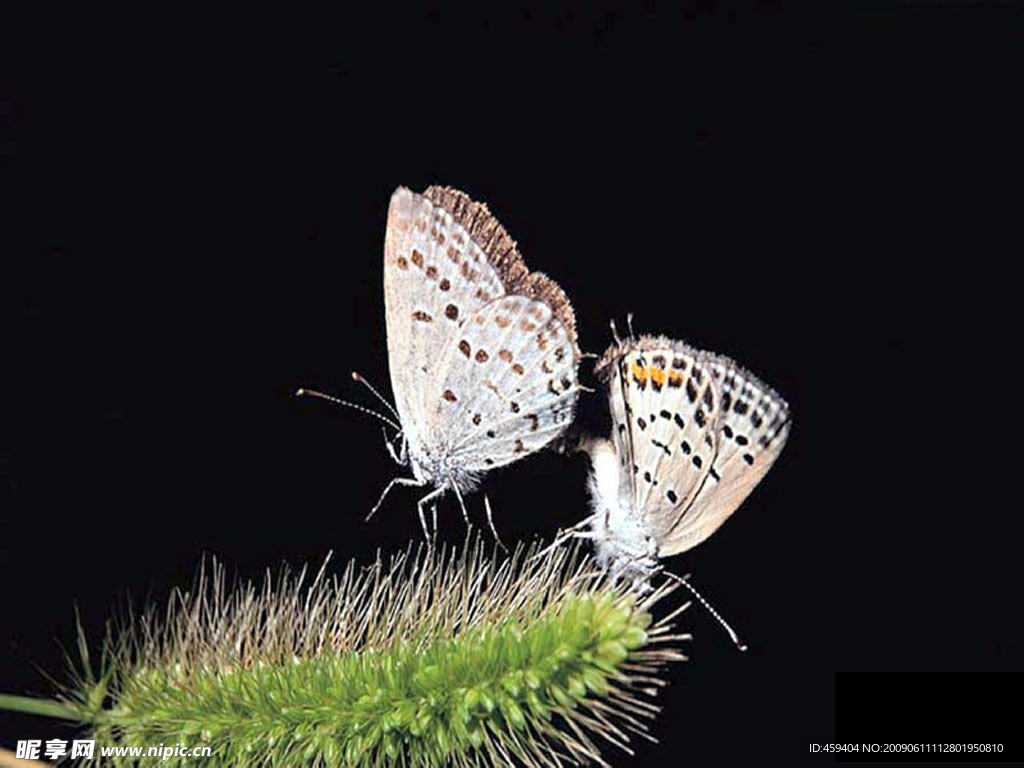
[
  {"x": 639, "y": 373},
  {"x": 657, "y": 375},
  {"x": 675, "y": 379}
]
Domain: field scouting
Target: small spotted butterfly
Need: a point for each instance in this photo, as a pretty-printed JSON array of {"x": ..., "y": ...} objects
[
  {"x": 692, "y": 435},
  {"x": 482, "y": 351}
]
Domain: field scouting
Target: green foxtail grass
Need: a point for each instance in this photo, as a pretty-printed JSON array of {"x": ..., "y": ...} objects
[{"x": 439, "y": 656}]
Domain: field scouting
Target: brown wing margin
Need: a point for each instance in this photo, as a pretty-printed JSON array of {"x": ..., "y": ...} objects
[{"x": 488, "y": 233}]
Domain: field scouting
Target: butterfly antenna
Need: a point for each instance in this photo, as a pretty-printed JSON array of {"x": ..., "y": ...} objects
[
  {"x": 357, "y": 376},
  {"x": 629, "y": 324},
  {"x": 336, "y": 401},
  {"x": 615, "y": 332},
  {"x": 725, "y": 625}
]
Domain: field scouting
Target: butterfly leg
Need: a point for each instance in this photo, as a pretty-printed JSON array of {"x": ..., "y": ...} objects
[
  {"x": 575, "y": 532},
  {"x": 434, "y": 494},
  {"x": 465, "y": 514},
  {"x": 391, "y": 448},
  {"x": 490, "y": 521},
  {"x": 407, "y": 481}
]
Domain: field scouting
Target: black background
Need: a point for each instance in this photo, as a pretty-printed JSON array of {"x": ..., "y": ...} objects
[{"x": 201, "y": 209}]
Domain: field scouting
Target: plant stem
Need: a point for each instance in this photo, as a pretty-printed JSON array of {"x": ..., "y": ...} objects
[{"x": 44, "y": 707}]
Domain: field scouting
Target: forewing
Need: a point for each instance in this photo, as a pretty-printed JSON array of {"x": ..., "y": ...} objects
[
  {"x": 615, "y": 374},
  {"x": 752, "y": 430},
  {"x": 446, "y": 259},
  {"x": 434, "y": 275},
  {"x": 667, "y": 416}
]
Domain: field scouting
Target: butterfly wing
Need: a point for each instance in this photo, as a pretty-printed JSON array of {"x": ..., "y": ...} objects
[
  {"x": 664, "y": 406},
  {"x": 613, "y": 369},
  {"x": 476, "y": 342},
  {"x": 513, "y": 374},
  {"x": 752, "y": 429},
  {"x": 435, "y": 275}
]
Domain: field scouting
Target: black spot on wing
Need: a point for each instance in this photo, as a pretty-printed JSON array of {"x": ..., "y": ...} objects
[
  {"x": 707, "y": 399},
  {"x": 691, "y": 391}
]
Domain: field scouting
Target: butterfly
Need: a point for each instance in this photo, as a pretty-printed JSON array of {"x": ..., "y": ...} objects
[
  {"x": 692, "y": 435},
  {"x": 482, "y": 352}
]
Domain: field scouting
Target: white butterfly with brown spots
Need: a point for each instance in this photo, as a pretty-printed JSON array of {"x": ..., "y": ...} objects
[
  {"x": 482, "y": 351},
  {"x": 692, "y": 435}
]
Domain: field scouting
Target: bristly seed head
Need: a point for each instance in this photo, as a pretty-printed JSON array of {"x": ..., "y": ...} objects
[{"x": 451, "y": 656}]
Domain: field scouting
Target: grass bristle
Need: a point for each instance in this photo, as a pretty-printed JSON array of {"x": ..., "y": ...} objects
[{"x": 439, "y": 656}]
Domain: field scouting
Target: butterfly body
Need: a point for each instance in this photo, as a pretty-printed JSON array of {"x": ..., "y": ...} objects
[
  {"x": 482, "y": 351},
  {"x": 622, "y": 542},
  {"x": 692, "y": 435}
]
